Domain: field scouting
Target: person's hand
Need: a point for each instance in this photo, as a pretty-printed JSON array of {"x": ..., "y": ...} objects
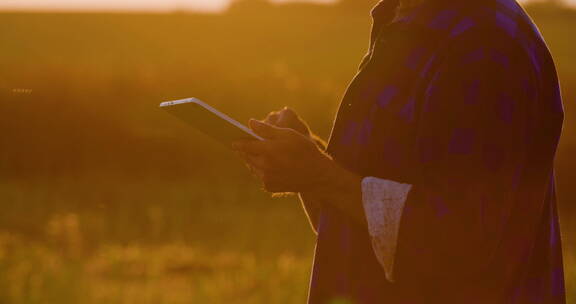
[
  {"x": 286, "y": 161},
  {"x": 287, "y": 118},
  {"x": 289, "y": 162}
]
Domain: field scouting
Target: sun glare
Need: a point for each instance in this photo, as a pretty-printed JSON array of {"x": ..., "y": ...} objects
[{"x": 133, "y": 5}]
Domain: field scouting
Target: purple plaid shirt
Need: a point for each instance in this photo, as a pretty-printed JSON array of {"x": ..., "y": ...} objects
[{"x": 461, "y": 100}]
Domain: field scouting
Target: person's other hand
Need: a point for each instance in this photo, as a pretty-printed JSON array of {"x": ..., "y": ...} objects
[
  {"x": 287, "y": 118},
  {"x": 286, "y": 161}
]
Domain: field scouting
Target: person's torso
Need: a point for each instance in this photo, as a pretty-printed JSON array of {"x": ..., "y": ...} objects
[{"x": 376, "y": 128}]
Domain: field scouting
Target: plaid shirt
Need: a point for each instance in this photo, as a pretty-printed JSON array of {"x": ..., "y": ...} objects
[{"x": 461, "y": 100}]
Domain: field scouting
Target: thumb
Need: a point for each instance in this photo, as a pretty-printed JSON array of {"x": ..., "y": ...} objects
[{"x": 263, "y": 129}]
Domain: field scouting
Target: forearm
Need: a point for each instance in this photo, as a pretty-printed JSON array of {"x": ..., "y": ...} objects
[
  {"x": 341, "y": 189},
  {"x": 311, "y": 200},
  {"x": 312, "y": 209}
]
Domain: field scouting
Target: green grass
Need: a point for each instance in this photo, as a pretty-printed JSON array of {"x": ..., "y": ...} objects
[{"x": 107, "y": 200}]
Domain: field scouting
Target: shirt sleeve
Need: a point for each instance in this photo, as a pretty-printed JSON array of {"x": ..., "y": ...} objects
[
  {"x": 471, "y": 213},
  {"x": 383, "y": 202}
]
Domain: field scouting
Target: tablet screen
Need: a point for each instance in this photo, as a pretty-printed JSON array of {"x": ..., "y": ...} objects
[{"x": 209, "y": 120}]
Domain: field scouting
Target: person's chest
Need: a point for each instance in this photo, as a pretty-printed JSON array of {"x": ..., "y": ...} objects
[{"x": 377, "y": 125}]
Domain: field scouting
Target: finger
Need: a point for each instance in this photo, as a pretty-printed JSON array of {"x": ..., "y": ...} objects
[
  {"x": 252, "y": 147},
  {"x": 272, "y": 118},
  {"x": 252, "y": 162},
  {"x": 238, "y": 146},
  {"x": 285, "y": 121},
  {"x": 282, "y": 120},
  {"x": 257, "y": 163},
  {"x": 289, "y": 113},
  {"x": 265, "y": 130},
  {"x": 289, "y": 119},
  {"x": 273, "y": 185},
  {"x": 255, "y": 171}
]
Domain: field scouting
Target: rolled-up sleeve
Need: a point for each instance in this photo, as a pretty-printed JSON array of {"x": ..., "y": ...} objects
[{"x": 383, "y": 202}]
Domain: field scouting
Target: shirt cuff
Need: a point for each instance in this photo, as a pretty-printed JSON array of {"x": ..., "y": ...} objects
[{"x": 384, "y": 202}]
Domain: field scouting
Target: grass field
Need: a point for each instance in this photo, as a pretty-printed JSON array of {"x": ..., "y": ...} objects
[{"x": 105, "y": 199}]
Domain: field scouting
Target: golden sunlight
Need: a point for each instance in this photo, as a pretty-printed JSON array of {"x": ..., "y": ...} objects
[{"x": 134, "y": 5}]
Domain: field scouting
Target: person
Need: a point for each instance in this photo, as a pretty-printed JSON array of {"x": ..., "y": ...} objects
[{"x": 437, "y": 185}]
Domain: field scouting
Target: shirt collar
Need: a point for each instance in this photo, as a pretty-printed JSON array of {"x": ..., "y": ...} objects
[{"x": 385, "y": 11}]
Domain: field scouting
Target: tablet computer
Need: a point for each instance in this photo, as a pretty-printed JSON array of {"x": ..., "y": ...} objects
[{"x": 209, "y": 120}]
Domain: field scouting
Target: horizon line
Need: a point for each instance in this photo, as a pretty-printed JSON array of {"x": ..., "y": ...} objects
[{"x": 220, "y": 8}]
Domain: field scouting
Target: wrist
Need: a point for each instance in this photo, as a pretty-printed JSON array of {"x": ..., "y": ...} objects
[
  {"x": 340, "y": 189},
  {"x": 334, "y": 182},
  {"x": 320, "y": 143},
  {"x": 322, "y": 175}
]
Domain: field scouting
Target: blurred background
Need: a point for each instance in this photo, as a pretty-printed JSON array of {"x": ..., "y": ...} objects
[{"x": 106, "y": 199}]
